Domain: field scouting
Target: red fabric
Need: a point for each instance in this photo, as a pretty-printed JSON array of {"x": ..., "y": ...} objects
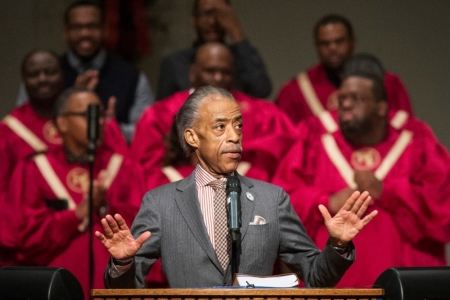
[
  {"x": 413, "y": 223},
  {"x": 48, "y": 237},
  {"x": 266, "y": 128},
  {"x": 290, "y": 99},
  {"x": 15, "y": 149}
]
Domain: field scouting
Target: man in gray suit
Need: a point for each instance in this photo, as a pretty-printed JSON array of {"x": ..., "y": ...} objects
[{"x": 176, "y": 221}]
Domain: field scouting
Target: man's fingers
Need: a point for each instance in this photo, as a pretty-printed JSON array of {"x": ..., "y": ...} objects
[
  {"x": 369, "y": 217},
  {"x": 364, "y": 206},
  {"x": 112, "y": 223},
  {"x": 121, "y": 222},
  {"x": 324, "y": 211},
  {"x": 359, "y": 202},
  {"x": 106, "y": 227},
  {"x": 348, "y": 205},
  {"x": 143, "y": 237},
  {"x": 110, "y": 112},
  {"x": 100, "y": 236}
]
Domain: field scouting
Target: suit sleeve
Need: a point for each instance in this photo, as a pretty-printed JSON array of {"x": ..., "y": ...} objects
[
  {"x": 148, "y": 219},
  {"x": 316, "y": 268}
]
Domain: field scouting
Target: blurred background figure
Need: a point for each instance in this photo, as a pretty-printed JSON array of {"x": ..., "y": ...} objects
[
  {"x": 264, "y": 123},
  {"x": 315, "y": 90},
  {"x": 393, "y": 156},
  {"x": 87, "y": 63},
  {"x": 216, "y": 21},
  {"x": 46, "y": 207}
]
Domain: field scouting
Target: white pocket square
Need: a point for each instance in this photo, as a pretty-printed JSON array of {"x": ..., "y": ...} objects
[{"x": 258, "y": 220}]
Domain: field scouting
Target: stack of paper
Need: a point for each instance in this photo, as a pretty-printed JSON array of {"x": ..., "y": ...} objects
[{"x": 278, "y": 281}]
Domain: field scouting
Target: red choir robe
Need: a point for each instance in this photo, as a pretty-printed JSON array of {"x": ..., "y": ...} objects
[
  {"x": 50, "y": 236},
  {"x": 413, "y": 223},
  {"x": 41, "y": 136},
  {"x": 292, "y": 101},
  {"x": 265, "y": 128},
  {"x": 168, "y": 174}
]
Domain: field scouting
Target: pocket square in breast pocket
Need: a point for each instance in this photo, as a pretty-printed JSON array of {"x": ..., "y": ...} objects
[{"x": 258, "y": 220}]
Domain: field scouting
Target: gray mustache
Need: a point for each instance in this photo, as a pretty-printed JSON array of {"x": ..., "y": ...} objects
[{"x": 236, "y": 148}]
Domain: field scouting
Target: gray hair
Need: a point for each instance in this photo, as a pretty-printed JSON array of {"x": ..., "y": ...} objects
[{"x": 188, "y": 112}]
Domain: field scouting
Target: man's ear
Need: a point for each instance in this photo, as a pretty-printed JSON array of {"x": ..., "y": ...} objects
[{"x": 191, "y": 138}]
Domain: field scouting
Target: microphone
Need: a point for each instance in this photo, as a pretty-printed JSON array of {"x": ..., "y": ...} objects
[
  {"x": 234, "y": 213},
  {"x": 93, "y": 114}
]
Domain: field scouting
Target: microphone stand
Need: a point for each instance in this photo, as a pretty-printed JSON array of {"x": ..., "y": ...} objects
[
  {"x": 92, "y": 135},
  {"x": 235, "y": 240},
  {"x": 91, "y": 155}
]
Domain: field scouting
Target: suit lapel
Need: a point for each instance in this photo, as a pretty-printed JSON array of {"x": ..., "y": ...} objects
[
  {"x": 247, "y": 204},
  {"x": 189, "y": 206}
]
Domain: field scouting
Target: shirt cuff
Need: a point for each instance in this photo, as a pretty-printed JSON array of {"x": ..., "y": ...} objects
[{"x": 115, "y": 271}]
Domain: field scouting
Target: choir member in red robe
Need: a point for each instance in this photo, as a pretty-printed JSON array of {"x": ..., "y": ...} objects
[
  {"x": 29, "y": 128},
  {"x": 49, "y": 195},
  {"x": 393, "y": 156},
  {"x": 265, "y": 126},
  {"x": 316, "y": 89}
]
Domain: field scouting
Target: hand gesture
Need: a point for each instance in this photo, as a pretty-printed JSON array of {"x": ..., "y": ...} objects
[
  {"x": 347, "y": 222},
  {"x": 118, "y": 239},
  {"x": 228, "y": 21},
  {"x": 88, "y": 80},
  {"x": 337, "y": 200},
  {"x": 110, "y": 112}
]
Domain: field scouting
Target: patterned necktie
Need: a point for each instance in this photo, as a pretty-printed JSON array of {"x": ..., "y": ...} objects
[{"x": 221, "y": 235}]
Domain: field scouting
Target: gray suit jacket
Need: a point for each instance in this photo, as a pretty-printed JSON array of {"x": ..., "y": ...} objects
[{"x": 172, "y": 214}]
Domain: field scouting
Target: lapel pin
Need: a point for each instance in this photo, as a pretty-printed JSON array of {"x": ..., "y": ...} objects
[{"x": 250, "y": 196}]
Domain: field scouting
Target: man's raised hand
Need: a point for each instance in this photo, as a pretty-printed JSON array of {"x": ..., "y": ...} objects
[
  {"x": 347, "y": 222},
  {"x": 118, "y": 239}
]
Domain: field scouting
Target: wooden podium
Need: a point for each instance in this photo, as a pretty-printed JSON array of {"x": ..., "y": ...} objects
[{"x": 237, "y": 294}]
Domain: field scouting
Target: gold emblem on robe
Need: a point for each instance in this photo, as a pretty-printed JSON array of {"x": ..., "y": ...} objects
[
  {"x": 367, "y": 158},
  {"x": 78, "y": 180},
  {"x": 51, "y": 134}
]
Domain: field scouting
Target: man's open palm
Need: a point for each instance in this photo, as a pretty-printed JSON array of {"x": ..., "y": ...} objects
[
  {"x": 347, "y": 222},
  {"x": 118, "y": 239}
]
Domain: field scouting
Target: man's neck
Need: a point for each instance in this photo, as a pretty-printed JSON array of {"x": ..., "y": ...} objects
[
  {"x": 81, "y": 64},
  {"x": 77, "y": 156},
  {"x": 44, "y": 111},
  {"x": 373, "y": 138},
  {"x": 213, "y": 174}
]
